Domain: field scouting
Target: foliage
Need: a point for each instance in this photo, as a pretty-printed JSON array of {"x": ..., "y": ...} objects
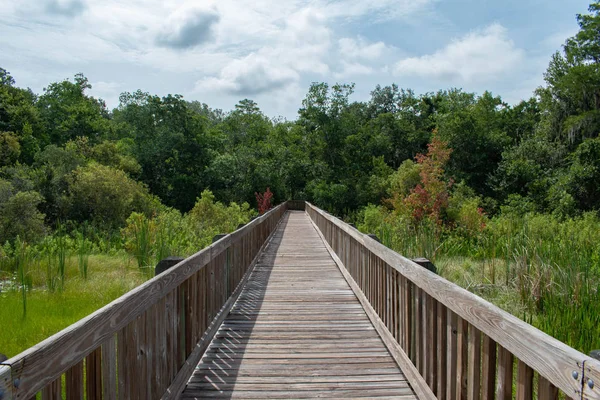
[
  {"x": 77, "y": 179},
  {"x": 20, "y": 217},
  {"x": 169, "y": 233},
  {"x": 263, "y": 201},
  {"x": 106, "y": 195},
  {"x": 429, "y": 199}
]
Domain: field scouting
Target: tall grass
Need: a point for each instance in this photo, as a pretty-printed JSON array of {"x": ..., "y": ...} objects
[
  {"x": 21, "y": 262},
  {"x": 141, "y": 232},
  {"x": 83, "y": 252},
  {"x": 110, "y": 276},
  {"x": 61, "y": 253},
  {"x": 550, "y": 267}
]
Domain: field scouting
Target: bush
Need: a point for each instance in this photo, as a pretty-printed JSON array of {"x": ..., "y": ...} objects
[
  {"x": 209, "y": 218},
  {"x": 19, "y": 216},
  {"x": 10, "y": 149},
  {"x": 170, "y": 233},
  {"x": 107, "y": 196}
]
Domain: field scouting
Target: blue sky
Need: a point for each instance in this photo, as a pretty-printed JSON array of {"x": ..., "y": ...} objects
[{"x": 220, "y": 52}]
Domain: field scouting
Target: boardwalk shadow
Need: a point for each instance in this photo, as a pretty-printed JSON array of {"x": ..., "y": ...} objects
[{"x": 220, "y": 368}]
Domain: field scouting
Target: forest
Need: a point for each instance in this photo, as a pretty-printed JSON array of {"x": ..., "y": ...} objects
[{"x": 504, "y": 199}]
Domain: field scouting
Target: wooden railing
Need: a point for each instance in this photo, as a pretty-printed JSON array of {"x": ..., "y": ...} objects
[
  {"x": 145, "y": 344},
  {"x": 451, "y": 343}
]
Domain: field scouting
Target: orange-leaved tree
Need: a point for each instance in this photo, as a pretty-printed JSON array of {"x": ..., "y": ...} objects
[
  {"x": 263, "y": 201},
  {"x": 429, "y": 198}
]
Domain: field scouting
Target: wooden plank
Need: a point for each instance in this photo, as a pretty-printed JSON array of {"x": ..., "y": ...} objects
[
  {"x": 419, "y": 385},
  {"x": 451, "y": 349},
  {"x": 546, "y": 390},
  {"x": 251, "y": 394},
  {"x": 93, "y": 374},
  {"x": 418, "y": 323},
  {"x": 474, "y": 364},
  {"x": 441, "y": 350},
  {"x": 74, "y": 382},
  {"x": 432, "y": 351},
  {"x": 591, "y": 372},
  {"x": 488, "y": 370},
  {"x": 291, "y": 340},
  {"x": 524, "y": 382},
  {"x": 543, "y": 353},
  {"x": 109, "y": 369},
  {"x": 122, "y": 361},
  {"x": 53, "y": 391},
  {"x": 182, "y": 376},
  {"x": 44, "y": 362},
  {"x": 504, "y": 384},
  {"x": 461, "y": 358}
]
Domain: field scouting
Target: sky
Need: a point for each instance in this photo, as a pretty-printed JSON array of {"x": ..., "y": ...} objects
[{"x": 219, "y": 52}]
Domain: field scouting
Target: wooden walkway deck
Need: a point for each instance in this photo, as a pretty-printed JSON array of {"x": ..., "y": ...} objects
[{"x": 297, "y": 331}]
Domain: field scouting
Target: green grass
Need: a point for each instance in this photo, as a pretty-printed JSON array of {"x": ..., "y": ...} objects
[
  {"x": 538, "y": 267},
  {"x": 49, "y": 312}
]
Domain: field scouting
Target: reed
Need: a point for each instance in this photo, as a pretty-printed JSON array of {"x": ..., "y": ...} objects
[
  {"x": 21, "y": 263},
  {"x": 83, "y": 252},
  {"x": 550, "y": 268}
]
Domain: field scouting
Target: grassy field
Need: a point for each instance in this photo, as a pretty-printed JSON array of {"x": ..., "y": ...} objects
[{"x": 109, "y": 276}]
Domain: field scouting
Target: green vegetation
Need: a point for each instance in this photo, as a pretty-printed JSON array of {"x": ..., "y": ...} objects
[
  {"x": 110, "y": 276},
  {"x": 504, "y": 198}
]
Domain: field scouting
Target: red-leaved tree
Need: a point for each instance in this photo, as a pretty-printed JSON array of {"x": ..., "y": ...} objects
[
  {"x": 430, "y": 197},
  {"x": 263, "y": 201}
]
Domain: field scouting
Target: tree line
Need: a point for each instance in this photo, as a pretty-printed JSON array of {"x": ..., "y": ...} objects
[{"x": 64, "y": 156}]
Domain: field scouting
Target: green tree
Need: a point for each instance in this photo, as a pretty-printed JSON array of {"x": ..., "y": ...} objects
[
  {"x": 10, "y": 148},
  {"x": 67, "y": 112},
  {"x": 106, "y": 196},
  {"x": 170, "y": 142},
  {"x": 570, "y": 102},
  {"x": 20, "y": 217}
]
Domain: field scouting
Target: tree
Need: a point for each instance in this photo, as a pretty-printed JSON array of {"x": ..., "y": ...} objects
[
  {"x": 19, "y": 116},
  {"x": 571, "y": 100},
  {"x": 429, "y": 199},
  {"x": 67, "y": 112},
  {"x": 10, "y": 149},
  {"x": 171, "y": 143},
  {"x": 20, "y": 217},
  {"x": 584, "y": 175},
  {"x": 473, "y": 129},
  {"x": 106, "y": 196}
]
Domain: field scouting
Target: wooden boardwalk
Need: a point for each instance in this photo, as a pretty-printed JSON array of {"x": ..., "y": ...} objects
[{"x": 297, "y": 331}]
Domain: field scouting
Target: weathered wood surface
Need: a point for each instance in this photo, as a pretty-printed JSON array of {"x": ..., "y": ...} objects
[
  {"x": 156, "y": 327},
  {"x": 297, "y": 331},
  {"x": 550, "y": 358}
]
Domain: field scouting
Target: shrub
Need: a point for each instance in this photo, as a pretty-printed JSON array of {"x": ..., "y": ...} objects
[
  {"x": 19, "y": 216},
  {"x": 107, "y": 196}
]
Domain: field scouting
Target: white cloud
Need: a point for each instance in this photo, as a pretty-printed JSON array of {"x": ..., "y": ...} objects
[
  {"x": 188, "y": 26},
  {"x": 251, "y": 75},
  {"x": 67, "y": 8},
  {"x": 352, "y": 69},
  {"x": 221, "y": 49},
  {"x": 477, "y": 57},
  {"x": 360, "y": 48},
  {"x": 377, "y": 9},
  {"x": 301, "y": 47}
]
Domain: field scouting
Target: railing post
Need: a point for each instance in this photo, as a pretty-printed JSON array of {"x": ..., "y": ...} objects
[
  {"x": 6, "y": 385},
  {"x": 166, "y": 263},
  {"x": 425, "y": 263}
]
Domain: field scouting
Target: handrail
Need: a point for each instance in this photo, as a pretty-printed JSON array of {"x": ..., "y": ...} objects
[
  {"x": 145, "y": 343},
  {"x": 462, "y": 345}
]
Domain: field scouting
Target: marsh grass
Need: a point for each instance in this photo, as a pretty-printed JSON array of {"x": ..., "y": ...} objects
[
  {"x": 537, "y": 267},
  {"x": 83, "y": 253},
  {"x": 21, "y": 265},
  {"x": 47, "y": 313}
]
